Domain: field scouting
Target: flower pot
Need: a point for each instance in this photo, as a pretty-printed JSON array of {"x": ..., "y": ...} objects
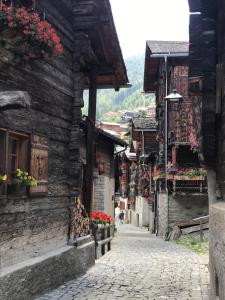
[{"x": 17, "y": 190}]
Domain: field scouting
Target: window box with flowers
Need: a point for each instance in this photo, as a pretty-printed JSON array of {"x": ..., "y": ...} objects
[
  {"x": 19, "y": 184},
  {"x": 23, "y": 32},
  {"x": 102, "y": 230},
  {"x": 197, "y": 174},
  {"x": 100, "y": 218}
]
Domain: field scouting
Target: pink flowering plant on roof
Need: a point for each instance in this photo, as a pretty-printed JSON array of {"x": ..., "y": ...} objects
[
  {"x": 36, "y": 39},
  {"x": 193, "y": 140}
]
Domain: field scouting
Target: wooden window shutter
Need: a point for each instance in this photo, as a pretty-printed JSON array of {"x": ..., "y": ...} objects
[{"x": 39, "y": 164}]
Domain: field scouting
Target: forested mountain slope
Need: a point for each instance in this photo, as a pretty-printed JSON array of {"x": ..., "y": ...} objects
[{"x": 127, "y": 98}]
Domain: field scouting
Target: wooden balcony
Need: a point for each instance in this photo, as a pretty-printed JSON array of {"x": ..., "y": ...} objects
[{"x": 185, "y": 183}]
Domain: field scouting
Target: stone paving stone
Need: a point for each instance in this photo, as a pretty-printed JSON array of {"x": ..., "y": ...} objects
[{"x": 140, "y": 266}]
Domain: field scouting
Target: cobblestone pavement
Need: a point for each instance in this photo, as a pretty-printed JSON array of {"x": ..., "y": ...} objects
[{"x": 140, "y": 266}]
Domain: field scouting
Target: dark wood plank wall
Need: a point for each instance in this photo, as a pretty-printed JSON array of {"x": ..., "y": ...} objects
[
  {"x": 31, "y": 226},
  {"x": 150, "y": 142},
  {"x": 220, "y": 97},
  {"x": 202, "y": 68}
]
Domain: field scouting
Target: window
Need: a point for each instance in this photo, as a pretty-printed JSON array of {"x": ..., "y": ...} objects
[
  {"x": 13, "y": 152},
  {"x": 28, "y": 153}
]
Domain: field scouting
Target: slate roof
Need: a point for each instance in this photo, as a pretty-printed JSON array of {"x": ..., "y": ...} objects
[
  {"x": 144, "y": 123},
  {"x": 172, "y": 47},
  {"x": 115, "y": 140}
]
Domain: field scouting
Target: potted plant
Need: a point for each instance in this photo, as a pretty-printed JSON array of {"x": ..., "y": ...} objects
[
  {"x": 25, "y": 33},
  {"x": 20, "y": 182},
  {"x": 100, "y": 218},
  {"x": 3, "y": 180},
  {"x": 191, "y": 174}
]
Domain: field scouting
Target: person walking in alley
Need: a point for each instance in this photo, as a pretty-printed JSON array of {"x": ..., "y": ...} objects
[
  {"x": 121, "y": 216},
  {"x": 117, "y": 215}
]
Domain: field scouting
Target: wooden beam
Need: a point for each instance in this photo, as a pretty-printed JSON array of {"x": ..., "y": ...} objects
[
  {"x": 14, "y": 100},
  {"x": 90, "y": 153},
  {"x": 92, "y": 94}
]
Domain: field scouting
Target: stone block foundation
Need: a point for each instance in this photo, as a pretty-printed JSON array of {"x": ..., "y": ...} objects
[{"x": 33, "y": 277}]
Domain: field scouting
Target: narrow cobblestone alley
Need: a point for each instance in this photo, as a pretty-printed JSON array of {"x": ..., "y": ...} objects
[{"x": 140, "y": 266}]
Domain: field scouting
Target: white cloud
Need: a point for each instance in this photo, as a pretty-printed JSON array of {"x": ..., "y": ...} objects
[{"x": 140, "y": 20}]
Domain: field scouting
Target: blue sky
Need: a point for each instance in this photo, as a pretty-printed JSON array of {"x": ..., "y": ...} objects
[{"x": 140, "y": 20}]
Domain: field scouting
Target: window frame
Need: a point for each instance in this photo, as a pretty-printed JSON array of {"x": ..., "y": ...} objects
[{"x": 22, "y": 151}]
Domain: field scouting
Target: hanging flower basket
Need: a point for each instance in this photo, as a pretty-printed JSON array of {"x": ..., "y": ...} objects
[{"x": 24, "y": 32}]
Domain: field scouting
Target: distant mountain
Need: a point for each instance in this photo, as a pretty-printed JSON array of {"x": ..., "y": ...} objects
[{"x": 127, "y": 99}]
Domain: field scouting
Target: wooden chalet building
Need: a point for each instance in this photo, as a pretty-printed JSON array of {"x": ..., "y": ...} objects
[
  {"x": 40, "y": 245},
  {"x": 135, "y": 170},
  {"x": 166, "y": 68},
  {"x": 143, "y": 137},
  {"x": 105, "y": 168},
  {"x": 206, "y": 86}
]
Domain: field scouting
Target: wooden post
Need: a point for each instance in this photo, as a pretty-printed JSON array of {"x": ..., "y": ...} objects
[
  {"x": 102, "y": 238},
  {"x": 174, "y": 154},
  {"x": 201, "y": 231},
  {"x": 108, "y": 236},
  {"x": 91, "y": 139}
]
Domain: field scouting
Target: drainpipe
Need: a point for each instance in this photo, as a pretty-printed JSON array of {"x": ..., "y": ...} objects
[
  {"x": 143, "y": 143},
  {"x": 166, "y": 145}
]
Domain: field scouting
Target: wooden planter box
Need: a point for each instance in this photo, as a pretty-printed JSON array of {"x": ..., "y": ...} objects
[
  {"x": 103, "y": 235},
  {"x": 195, "y": 178},
  {"x": 17, "y": 190},
  {"x": 169, "y": 177},
  {"x": 199, "y": 179}
]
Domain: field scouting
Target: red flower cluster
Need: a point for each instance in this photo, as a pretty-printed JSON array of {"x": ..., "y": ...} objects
[
  {"x": 98, "y": 155},
  {"x": 36, "y": 38},
  {"x": 100, "y": 218}
]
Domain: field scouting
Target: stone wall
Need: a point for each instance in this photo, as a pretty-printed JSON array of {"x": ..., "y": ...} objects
[
  {"x": 186, "y": 207},
  {"x": 142, "y": 210},
  {"x": 104, "y": 184},
  {"x": 31, "y": 278},
  {"x": 182, "y": 207},
  {"x": 162, "y": 213},
  {"x": 217, "y": 250}
]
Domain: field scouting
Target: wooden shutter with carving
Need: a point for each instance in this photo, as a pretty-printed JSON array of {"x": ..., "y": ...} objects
[{"x": 39, "y": 164}]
